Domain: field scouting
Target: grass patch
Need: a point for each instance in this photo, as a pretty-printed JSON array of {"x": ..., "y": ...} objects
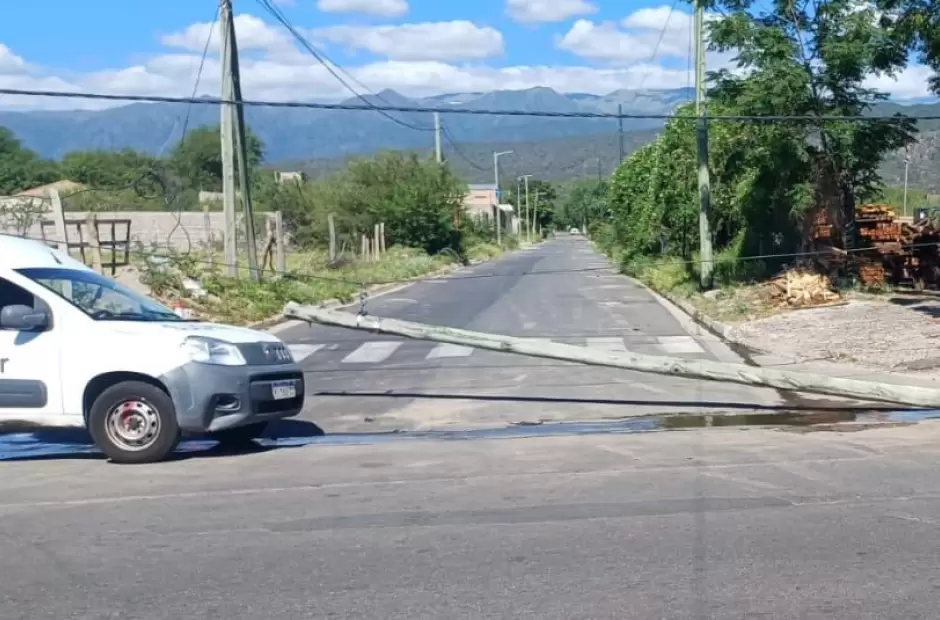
[
  {"x": 310, "y": 279},
  {"x": 738, "y": 285}
]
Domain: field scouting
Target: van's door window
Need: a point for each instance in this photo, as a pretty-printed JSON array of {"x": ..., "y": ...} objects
[{"x": 99, "y": 297}]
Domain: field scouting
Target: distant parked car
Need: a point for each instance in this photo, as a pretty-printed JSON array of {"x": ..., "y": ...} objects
[{"x": 574, "y": 231}]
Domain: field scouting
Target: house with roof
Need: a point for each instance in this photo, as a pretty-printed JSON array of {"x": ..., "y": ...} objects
[{"x": 484, "y": 200}]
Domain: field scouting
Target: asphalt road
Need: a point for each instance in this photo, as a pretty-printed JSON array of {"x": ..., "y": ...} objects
[
  {"x": 715, "y": 524},
  {"x": 562, "y": 291}
]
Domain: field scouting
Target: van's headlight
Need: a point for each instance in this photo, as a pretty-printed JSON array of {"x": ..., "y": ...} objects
[{"x": 212, "y": 351}]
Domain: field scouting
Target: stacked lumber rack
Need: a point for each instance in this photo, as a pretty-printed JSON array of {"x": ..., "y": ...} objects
[{"x": 895, "y": 251}]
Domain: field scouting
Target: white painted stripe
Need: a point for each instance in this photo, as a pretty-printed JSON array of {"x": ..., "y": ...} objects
[
  {"x": 680, "y": 344},
  {"x": 371, "y": 352},
  {"x": 303, "y": 351},
  {"x": 449, "y": 350},
  {"x": 613, "y": 344}
]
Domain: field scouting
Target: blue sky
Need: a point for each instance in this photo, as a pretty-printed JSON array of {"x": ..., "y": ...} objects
[
  {"x": 418, "y": 47},
  {"x": 101, "y": 34}
]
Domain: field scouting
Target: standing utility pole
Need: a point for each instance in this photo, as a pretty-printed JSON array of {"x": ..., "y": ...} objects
[
  {"x": 496, "y": 156},
  {"x": 704, "y": 183},
  {"x": 535, "y": 214},
  {"x": 528, "y": 227},
  {"x": 228, "y": 145},
  {"x": 438, "y": 153},
  {"x": 620, "y": 128},
  {"x": 232, "y": 91}
]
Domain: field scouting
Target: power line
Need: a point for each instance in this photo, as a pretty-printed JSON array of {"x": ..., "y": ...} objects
[
  {"x": 297, "y": 275},
  {"x": 59, "y": 94},
  {"x": 652, "y": 59},
  {"x": 453, "y": 144},
  {"x": 329, "y": 65},
  {"x": 186, "y": 119}
]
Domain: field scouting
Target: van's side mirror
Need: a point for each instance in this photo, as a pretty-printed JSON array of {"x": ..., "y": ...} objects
[{"x": 21, "y": 318}]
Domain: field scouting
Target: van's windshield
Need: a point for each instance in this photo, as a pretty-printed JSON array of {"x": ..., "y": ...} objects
[{"x": 99, "y": 297}]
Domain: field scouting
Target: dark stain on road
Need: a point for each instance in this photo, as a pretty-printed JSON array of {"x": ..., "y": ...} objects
[{"x": 44, "y": 445}]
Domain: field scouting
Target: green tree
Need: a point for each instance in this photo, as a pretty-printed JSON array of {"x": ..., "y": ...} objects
[
  {"x": 769, "y": 179},
  {"x": 806, "y": 59},
  {"x": 21, "y": 168},
  {"x": 418, "y": 200},
  {"x": 542, "y": 198},
  {"x": 197, "y": 159},
  {"x": 110, "y": 169},
  {"x": 585, "y": 203}
]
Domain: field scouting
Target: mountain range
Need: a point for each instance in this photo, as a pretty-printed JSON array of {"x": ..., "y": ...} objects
[
  {"x": 299, "y": 134},
  {"x": 320, "y": 141}
]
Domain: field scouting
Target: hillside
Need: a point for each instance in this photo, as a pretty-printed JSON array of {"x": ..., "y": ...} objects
[
  {"x": 303, "y": 134},
  {"x": 555, "y": 160},
  {"x": 319, "y": 141}
]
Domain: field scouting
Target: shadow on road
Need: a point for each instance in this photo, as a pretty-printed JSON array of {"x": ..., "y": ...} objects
[
  {"x": 57, "y": 444},
  {"x": 717, "y": 405}
]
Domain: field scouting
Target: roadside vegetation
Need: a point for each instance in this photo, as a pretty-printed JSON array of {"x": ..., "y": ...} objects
[
  {"x": 418, "y": 201},
  {"x": 770, "y": 181}
]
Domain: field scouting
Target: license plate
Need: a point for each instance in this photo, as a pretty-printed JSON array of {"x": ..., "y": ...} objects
[{"x": 281, "y": 390}]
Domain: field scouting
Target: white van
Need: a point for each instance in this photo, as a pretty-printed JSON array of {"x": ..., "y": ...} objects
[{"x": 77, "y": 349}]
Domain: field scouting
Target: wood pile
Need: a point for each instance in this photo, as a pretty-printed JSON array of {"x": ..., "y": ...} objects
[
  {"x": 876, "y": 223},
  {"x": 797, "y": 288},
  {"x": 896, "y": 251}
]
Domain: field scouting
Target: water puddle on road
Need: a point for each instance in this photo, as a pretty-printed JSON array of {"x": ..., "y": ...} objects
[{"x": 53, "y": 444}]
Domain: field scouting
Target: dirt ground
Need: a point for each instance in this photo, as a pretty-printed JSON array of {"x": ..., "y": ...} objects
[{"x": 897, "y": 331}]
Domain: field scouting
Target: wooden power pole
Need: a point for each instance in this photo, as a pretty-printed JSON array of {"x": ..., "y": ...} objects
[
  {"x": 234, "y": 141},
  {"x": 704, "y": 183},
  {"x": 226, "y": 128}
]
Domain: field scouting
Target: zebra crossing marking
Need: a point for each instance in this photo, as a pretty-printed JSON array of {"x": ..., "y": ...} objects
[
  {"x": 449, "y": 350},
  {"x": 300, "y": 352},
  {"x": 610, "y": 343},
  {"x": 680, "y": 344},
  {"x": 372, "y": 352}
]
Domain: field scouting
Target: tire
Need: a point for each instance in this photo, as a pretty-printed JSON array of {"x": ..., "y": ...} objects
[
  {"x": 134, "y": 422},
  {"x": 240, "y": 436}
]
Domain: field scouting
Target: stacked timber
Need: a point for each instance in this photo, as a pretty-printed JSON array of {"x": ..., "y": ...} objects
[{"x": 876, "y": 223}]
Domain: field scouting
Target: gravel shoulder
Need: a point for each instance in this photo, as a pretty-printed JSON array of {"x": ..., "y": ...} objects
[{"x": 898, "y": 332}]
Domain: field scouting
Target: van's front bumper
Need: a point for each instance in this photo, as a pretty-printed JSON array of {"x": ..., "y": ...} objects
[{"x": 210, "y": 397}]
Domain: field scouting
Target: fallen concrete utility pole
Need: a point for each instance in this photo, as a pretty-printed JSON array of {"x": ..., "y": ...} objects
[{"x": 693, "y": 369}]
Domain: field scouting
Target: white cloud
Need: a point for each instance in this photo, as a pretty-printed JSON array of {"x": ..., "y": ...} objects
[
  {"x": 252, "y": 34},
  {"x": 661, "y": 31},
  {"x": 380, "y": 8},
  {"x": 547, "y": 11},
  {"x": 455, "y": 40},
  {"x": 10, "y": 62},
  {"x": 421, "y": 60}
]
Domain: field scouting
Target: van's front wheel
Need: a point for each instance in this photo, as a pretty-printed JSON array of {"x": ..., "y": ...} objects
[{"x": 134, "y": 422}]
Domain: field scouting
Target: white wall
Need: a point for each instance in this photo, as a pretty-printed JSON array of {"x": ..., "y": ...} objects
[{"x": 180, "y": 229}]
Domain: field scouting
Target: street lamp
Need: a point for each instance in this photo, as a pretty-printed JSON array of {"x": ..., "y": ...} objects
[
  {"x": 528, "y": 228},
  {"x": 496, "y": 157}
]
